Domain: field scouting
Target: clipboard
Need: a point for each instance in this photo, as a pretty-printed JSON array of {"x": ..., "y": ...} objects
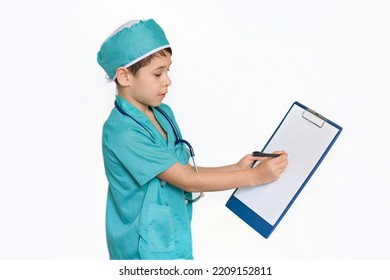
[{"x": 307, "y": 137}]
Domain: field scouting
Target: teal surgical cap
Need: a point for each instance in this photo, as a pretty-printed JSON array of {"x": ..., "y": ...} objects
[{"x": 130, "y": 43}]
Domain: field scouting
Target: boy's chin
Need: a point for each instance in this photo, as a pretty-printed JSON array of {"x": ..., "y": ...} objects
[{"x": 156, "y": 104}]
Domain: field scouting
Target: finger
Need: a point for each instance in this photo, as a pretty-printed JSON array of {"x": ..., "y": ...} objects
[
  {"x": 283, "y": 156},
  {"x": 279, "y": 163},
  {"x": 282, "y": 152},
  {"x": 282, "y": 165}
]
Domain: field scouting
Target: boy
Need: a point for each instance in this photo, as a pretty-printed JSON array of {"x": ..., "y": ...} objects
[{"x": 147, "y": 216}]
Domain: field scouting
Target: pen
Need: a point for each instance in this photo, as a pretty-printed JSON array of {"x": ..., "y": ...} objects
[{"x": 261, "y": 154}]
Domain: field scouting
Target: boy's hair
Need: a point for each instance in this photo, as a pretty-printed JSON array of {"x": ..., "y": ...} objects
[{"x": 144, "y": 62}]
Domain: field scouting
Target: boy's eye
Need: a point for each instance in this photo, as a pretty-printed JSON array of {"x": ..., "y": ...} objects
[{"x": 160, "y": 73}]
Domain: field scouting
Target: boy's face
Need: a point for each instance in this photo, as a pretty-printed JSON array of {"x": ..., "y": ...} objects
[{"x": 150, "y": 85}]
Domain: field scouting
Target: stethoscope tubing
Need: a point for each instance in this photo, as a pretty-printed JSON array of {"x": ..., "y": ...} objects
[
  {"x": 177, "y": 136},
  {"x": 126, "y": 114},
  {"x": 175, "y": 131}
]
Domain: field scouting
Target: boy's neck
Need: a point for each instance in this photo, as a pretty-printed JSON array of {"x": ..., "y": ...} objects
[
  {"x": 146, "y": 110},
  {"x": 142, "y": 107}
]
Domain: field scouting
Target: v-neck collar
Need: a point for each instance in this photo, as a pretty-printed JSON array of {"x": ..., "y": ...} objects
[
  {"x": 164, "y": 125},
  {"x": 134, "y": 112}
]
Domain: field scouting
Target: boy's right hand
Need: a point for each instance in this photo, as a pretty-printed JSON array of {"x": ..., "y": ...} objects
[{"x": 269, "y": 169}]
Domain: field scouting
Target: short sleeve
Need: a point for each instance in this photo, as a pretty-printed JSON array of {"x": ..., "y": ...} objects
[{"x": 143, "y": 157}]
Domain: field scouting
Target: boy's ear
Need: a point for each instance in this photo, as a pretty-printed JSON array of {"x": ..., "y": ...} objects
[{"x": 123, "y": 76}]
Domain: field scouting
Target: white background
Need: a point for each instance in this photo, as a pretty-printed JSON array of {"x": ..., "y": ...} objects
[{"x": 238, "y": 66}]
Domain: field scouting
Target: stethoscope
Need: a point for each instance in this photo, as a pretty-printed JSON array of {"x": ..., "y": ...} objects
[{"x": 178, "y": 141}]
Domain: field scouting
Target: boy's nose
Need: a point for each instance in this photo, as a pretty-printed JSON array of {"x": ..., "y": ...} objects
[{"x": 167, "y": 81}]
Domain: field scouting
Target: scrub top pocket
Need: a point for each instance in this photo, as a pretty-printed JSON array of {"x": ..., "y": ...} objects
[{"x": 161, "y": 234}]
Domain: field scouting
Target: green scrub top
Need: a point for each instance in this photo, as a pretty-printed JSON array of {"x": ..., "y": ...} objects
[{"x": 146, "y": 218}]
